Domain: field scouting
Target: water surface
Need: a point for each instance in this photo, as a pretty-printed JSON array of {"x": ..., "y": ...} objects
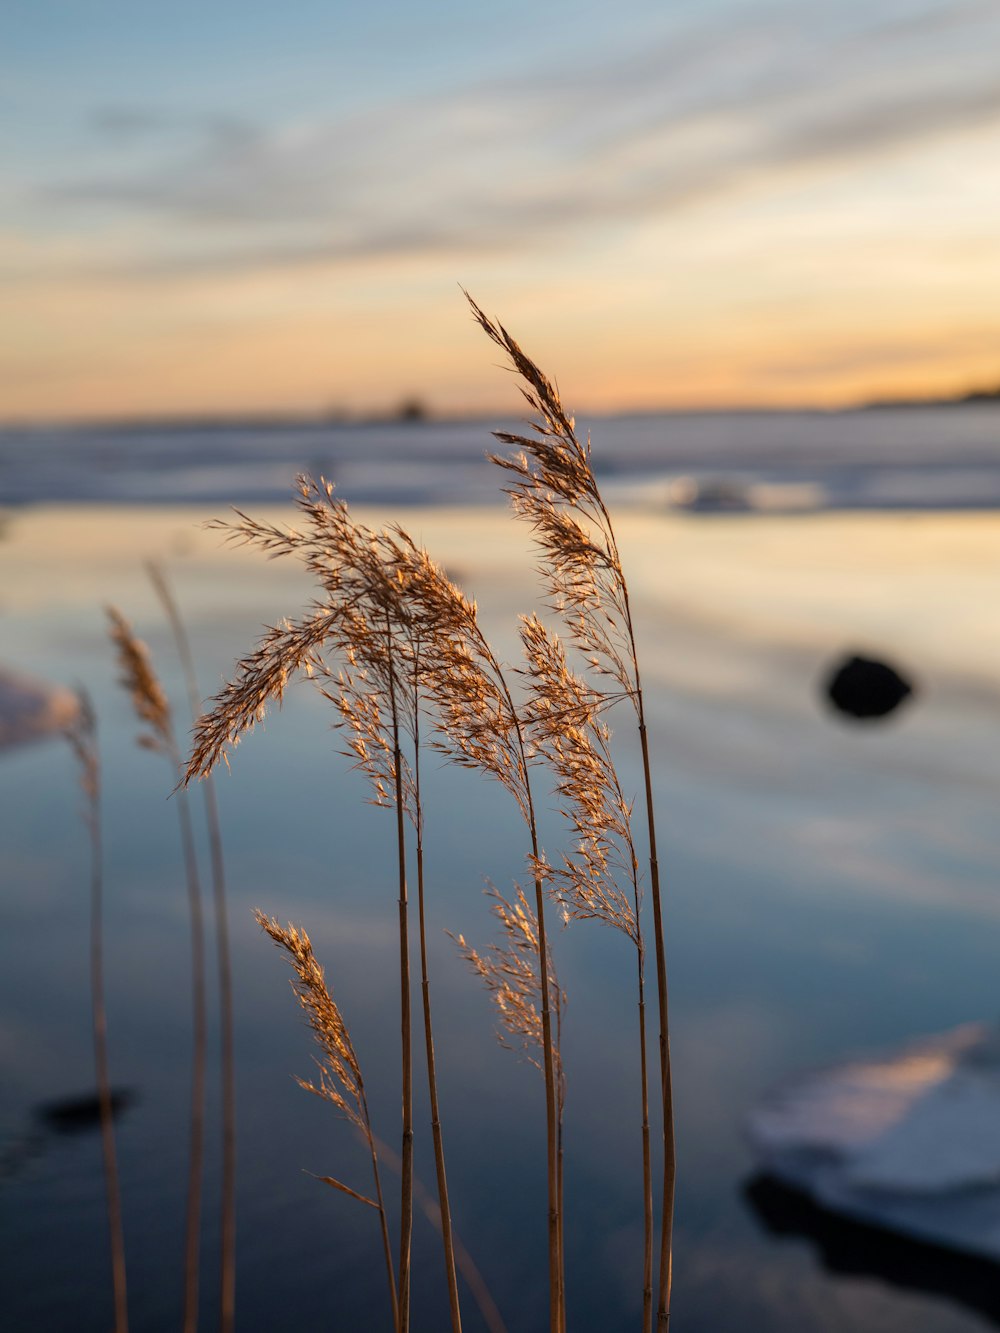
[{"x": 830, "y": 891}]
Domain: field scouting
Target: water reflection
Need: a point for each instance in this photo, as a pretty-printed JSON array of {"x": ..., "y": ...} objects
[
  {"x": 807, "y": 861},
  {"x": 856, "y": 1249},
  {"x": 72, "y": 1115},
  {"x": 60, "y": 1118}
]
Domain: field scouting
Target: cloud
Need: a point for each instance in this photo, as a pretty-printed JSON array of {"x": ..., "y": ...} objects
[
  {"x": 120, "y": 121},
  {"x": 534, "y": 159},
  {"x": 819, "y": 362},
  {"x": 891, "y": 120},
  {"x": 125, "y": 122}
]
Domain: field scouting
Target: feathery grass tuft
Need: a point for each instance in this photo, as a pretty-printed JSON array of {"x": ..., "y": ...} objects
[
  {"x": 509, "y": 972},
  {"x": 142, "y": 685}
]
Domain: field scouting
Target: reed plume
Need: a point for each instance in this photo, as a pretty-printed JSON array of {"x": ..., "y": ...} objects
[
  {"x": 509, "y": 971},
  {"x": 553, "y": 488},
  {"x": 339, "y": 1072},
  {"x": 82, "y": 737},
  {"x": 152, "y": 709},
  {"x": 227, "y": 1272},
  {"x": 346, "y": 620}
]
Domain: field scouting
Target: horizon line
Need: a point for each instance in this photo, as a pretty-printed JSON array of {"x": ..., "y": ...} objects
[{"x": 413, "y": 412}]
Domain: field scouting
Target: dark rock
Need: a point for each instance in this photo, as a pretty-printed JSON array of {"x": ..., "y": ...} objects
[{"x": 862, "y": 688}]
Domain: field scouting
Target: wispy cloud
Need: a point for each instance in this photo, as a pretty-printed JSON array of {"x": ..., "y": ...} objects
[
  {"x": 501, "y": 165},
  {"x": 125, "y": 122}
]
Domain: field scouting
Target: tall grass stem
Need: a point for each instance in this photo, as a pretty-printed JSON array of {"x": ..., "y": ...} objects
[
  {"x": 83, "y": 739},
  {"x": 227, "y": 1275},
  {"x": 192, "y": 1225},
  {"x": 437, "y": 1134},
  {"x": 406, "y": 1155},
  {"x": 152, "y": 708}
]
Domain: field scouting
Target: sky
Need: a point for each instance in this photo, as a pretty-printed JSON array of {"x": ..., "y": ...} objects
[{"x": 252, "y": 207}]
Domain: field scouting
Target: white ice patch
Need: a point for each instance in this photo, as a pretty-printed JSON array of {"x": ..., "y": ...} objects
[
  {"x": 910, "y": 1141},
  {"x": 31, "y": 709}
]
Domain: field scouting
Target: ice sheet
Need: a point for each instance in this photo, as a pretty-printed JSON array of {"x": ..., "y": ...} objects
[{"x": 910, "y": 1140}]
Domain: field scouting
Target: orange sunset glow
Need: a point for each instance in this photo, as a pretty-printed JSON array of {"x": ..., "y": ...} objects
[{"x": 733, "y": 205}]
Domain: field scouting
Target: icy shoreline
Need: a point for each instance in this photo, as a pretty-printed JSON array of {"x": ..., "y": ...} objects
[
  {"x": 906, "y": 458},
  {"x": 909, "y": 1142},
  {"x": 32, "y": 709}
]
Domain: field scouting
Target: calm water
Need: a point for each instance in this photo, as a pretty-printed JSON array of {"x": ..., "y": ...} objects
[{"x": 830, "y": 891}]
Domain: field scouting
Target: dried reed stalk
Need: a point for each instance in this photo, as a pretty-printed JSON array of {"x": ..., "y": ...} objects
[
  {"x": 153, "y": 712},
  {"x": 227, "y": 1274},
  {"x": 406, "y": 1215},
  {"x": 463, "y": 1259},
  {"x": 564, "y": 722},
  {"x": 366, "y": 620},
  {"x": 359, "y": 714},
  {"x": 340, "y": 1080},
  {"x": 82, "y": 737},
  {"x": 437, "y": 1133},
  {"x": 552, "y": 486},
  {"x": 480, "y": 728}
]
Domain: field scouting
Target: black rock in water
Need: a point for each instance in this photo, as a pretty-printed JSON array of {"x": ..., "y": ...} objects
[
  {"x": 69, "y": 1115},
  {"x": 863, "y": 688}
]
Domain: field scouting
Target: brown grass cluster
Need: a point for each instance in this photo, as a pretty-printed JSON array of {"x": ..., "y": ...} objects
[{"x": 398, "y": 650}]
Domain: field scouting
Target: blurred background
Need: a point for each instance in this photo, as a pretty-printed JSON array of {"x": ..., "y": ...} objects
[
  {"x": 755, "y": 245},
  {"x": 237, "y": 209}
]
